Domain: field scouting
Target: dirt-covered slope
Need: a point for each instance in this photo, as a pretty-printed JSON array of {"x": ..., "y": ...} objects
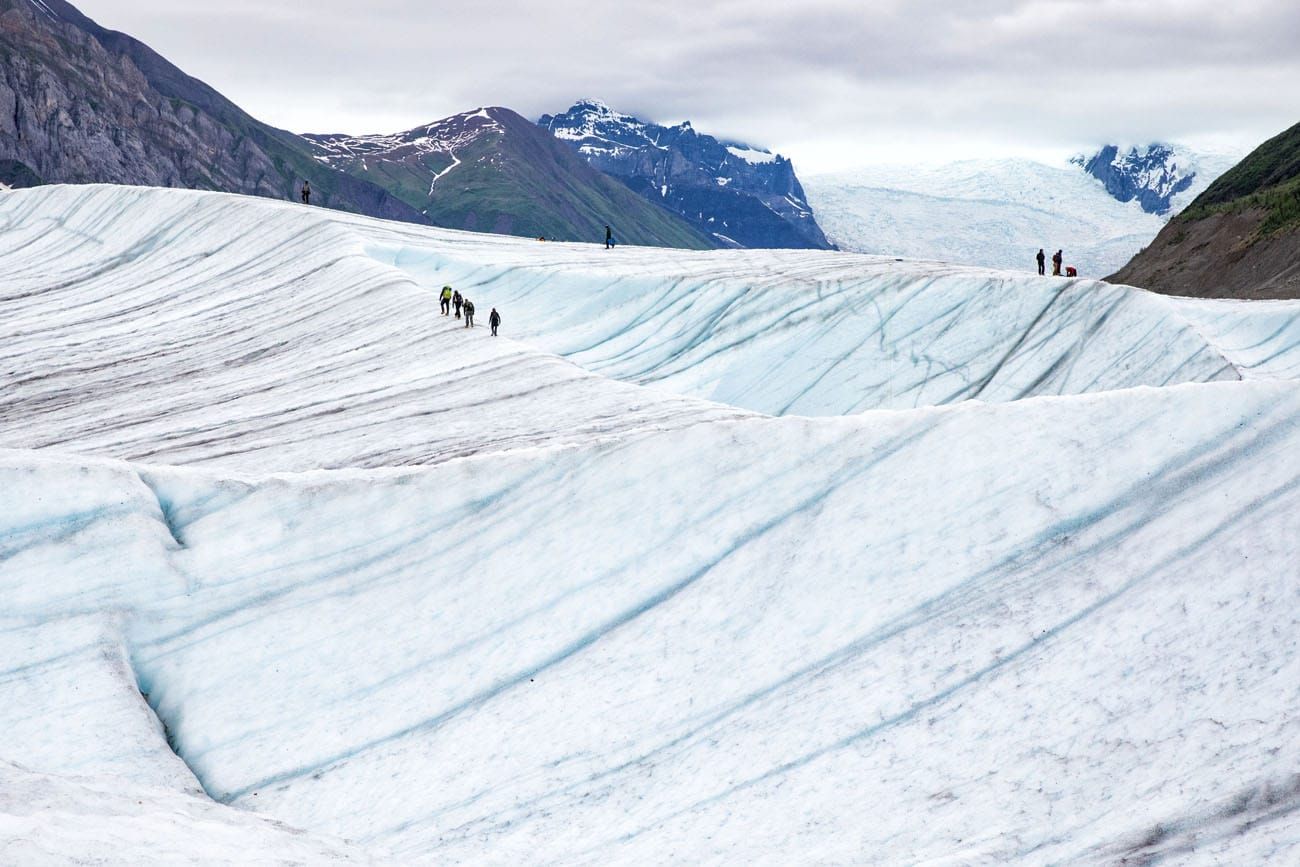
[{"x": 1239, "y": 239}]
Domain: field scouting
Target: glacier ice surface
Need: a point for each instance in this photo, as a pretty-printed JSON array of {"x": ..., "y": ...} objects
[{"x": 718, "y": 561}]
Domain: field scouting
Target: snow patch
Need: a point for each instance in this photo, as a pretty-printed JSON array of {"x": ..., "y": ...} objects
[
  {"x": 751, "y": 155},
  {"x": 455, "y": 161},
  {"x": 48, "y": 12},
  {"x": 443, "y": 136}
]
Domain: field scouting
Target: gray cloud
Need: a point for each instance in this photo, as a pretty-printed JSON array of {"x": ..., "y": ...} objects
[{"x": 833, "y": 82}]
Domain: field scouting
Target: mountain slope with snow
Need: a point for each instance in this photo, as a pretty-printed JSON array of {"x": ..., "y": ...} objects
[
  {"x": 1159, "y": 177},
  {"x": 450, "y": 598},
  {"x": 999, "y": 213},
  {"x": 490, "y": 170},
  {"x": 743, "y": 196}
]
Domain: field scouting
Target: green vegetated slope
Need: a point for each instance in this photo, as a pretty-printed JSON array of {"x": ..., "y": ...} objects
[
  {"x": 491, "y": 170},
  {"x": 1238, "y": 239}
]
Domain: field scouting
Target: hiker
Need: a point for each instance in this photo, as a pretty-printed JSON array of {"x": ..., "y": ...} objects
[
  {"x": 494, "y": 319},
  {"x": 446, "y": 300},
  {"x": 609, "y": 237},
  {"x": 469, "y": 313},
  {"x": 306, "y": 192},
  {"x": 1071, "y": 271},
  {"x": 458, "y": 301},
  {"x": 1057, "y": 259},
  {"x": 1042, "y": 262}
]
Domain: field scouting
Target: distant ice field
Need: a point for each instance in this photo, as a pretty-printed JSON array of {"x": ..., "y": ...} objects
[{"x": 997, "y": 213}]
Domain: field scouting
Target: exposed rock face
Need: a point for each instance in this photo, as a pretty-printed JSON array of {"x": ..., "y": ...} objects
[
  {"x": 492, "y": 170},
  {"x": 742, "y": 196},
  {"x": 1153, "y": 175},
  {"x": 15, "y": 175},
  {"x": 81, "y": 104}
]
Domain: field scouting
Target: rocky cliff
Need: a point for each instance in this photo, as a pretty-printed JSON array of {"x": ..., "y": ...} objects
[
  {"x": 83, "y": 104},
  {"x": 1153, "y": 175},
  {"x": 739, "y": 195}
]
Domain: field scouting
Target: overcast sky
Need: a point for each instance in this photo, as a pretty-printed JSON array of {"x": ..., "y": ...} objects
[{"x": 831, "y": 83}]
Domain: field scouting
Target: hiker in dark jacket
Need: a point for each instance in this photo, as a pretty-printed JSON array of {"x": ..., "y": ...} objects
[
  {"x": 494, "y": 319},
  {"x": 609, "y": 237},
  {"x": 445, "y": 299},
  {"x": 1057, "y": 259},
  {"x": 469, "y": 313},
  {"x": 1042, "y": 263},
  {"x": 306, "y": 192},
  {"x": 457, "y": 301}
]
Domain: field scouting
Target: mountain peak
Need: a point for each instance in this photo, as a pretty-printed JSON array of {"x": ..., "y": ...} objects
[
  {"x": 588, "y": 115},
  {"x": 1153, "y": 174},
  {"x": 598, "y": 106},
  {"x": 491, "y": 170},
  {"x": 741, "y": 196}
]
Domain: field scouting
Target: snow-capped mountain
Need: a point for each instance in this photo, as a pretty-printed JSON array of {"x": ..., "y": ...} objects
[
  {"x": 1238, "y": 239},
  {"x": 1154, "y": 175},
  {"x": 999, "y": 213},
  {"x": 491, "y": 170},
  {"x": 435, "y": 144},
  {"x": 741, "y": 195},
  {"x": 289, "y": 559}
]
